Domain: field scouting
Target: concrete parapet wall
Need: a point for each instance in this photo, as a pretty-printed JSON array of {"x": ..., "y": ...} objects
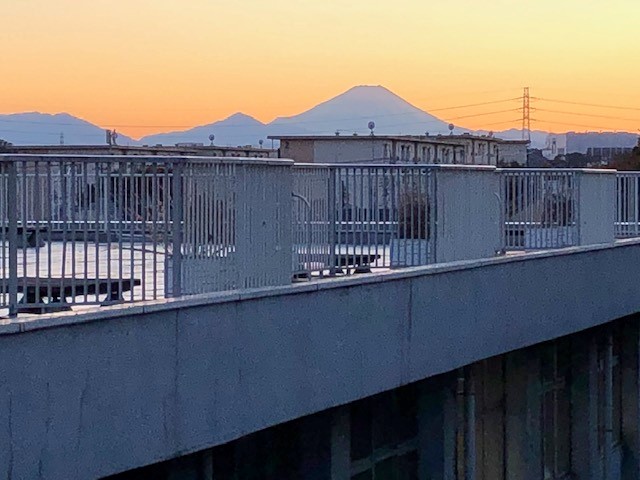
[
  {"x": 93, "y": 394},
  {"x": 597, "y": 209},
  {"x": 468, "y": 223}
]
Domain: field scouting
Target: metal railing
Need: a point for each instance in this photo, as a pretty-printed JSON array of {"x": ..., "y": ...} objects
[
  {"x": 540, "y": 208},
  {"x": 383, "y": 216},
  {"x": 361, "y": 217},
  {"x": 627, "y": 220},
  {"x": 80, "y": 230},
  {"x": 237, "y": 225},
  {"x": 101, "y": 230},
  {"x": 311, "y": 233}
]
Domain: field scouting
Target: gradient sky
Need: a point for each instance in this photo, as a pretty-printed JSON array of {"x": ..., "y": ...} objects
[{"x": 154, "y": 64}]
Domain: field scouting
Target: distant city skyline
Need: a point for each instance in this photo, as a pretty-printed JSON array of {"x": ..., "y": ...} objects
[{"x": 167, "y": 63}]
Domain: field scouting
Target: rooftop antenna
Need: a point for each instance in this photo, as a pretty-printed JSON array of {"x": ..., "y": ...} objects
[
  {"x": 212, "y": 137},
  {"x": 426, "y": 134},
  {"x": 451, "y": 127},
  {"x": 61, "y": 138},
  {"x": 261, "y": 142},
  {"x": 371, "y": 126},
  {"x": 337, "y": 133},
  {"x": 114, "y": 137}
]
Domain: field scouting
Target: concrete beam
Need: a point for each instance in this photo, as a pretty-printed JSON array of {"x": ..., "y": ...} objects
[{"x": 94, "y": 394}]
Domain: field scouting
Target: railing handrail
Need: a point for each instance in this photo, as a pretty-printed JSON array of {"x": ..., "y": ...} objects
[
  {"x": 557, "y": 170},
  {"x": 429, "y": 166},
  {"x": 170, "y": 159}
]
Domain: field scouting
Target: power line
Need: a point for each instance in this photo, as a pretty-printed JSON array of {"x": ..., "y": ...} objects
[
  {"x": 484, "y": 114},
  {"x": 413, "y": 123},
  {"x": 475, "y": 104},
  {"x": 480, "y": 92},
  {"x": 403, "y": 124},
  {"x": 586, "y": 104},
  {"x": 56, "y": 134},
  {"x": 588, "y": 115},
  {"x": 90, "y": 125},
  {"x": 572, "y": 124},
  {"x": 74, "y": 135},
  {"x": 514, "y": 121},
  {"x": 408, "y": 112},
  {"x": 56, "y": 125}
]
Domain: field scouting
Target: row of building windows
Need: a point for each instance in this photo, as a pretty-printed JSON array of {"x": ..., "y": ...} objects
[
  {"x": 442, "y": 154},
  {"x": 429, "y": 154}
]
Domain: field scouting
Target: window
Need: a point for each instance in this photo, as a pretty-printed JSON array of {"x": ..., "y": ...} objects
[
  {"x": 384, "y": 433},
  {"x": 556, "y": 408},
  {"x": 616, "y": 374}
]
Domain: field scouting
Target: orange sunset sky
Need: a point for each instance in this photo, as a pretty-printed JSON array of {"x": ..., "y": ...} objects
[{"x": 153, "y": 65}]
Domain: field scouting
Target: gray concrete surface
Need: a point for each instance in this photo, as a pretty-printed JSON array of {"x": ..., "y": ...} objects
[{"x": 91, "y": 394}]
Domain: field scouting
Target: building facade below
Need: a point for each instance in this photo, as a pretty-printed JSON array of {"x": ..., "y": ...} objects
[{"x": 564, "y": 409}]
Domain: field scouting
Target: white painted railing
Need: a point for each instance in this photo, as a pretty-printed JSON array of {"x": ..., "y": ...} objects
[
  {"x": 236, "y": 225},
  {"x": 85, "y": 230},
  {"x": 540, "y": 208},
  {"x": 361, "y": 217},
  {"x": 627, "y": 223},
  {"x": 311, "y": 231},
  {"x": 392, "y": 216},
  {"x": 555, "y": 208}
]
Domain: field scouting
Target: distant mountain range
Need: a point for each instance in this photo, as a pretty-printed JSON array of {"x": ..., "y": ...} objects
[
  {"x": 35, "y": 128},
  {"x": 347, "y": 113}
]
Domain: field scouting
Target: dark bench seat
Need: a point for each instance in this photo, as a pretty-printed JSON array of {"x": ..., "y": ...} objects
[
  {"x": 28, "y": 237},
  {"x": 360, "y": 262},
  {"x": 56, "y": 290}
]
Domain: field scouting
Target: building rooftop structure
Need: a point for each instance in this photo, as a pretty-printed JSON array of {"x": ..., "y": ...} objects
[
  {"x": 188, "y": 149},
  {"x": 451, "y": 149}
]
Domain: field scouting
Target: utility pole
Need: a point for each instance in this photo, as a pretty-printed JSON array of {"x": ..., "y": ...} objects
[{"x": 526, "y": 115}]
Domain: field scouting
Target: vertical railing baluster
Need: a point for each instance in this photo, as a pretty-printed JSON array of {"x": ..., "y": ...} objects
[
  {"x": 332, "y": 206},
  {"x": 12, "y": 217},
  {"x": 177, "y": 228}
]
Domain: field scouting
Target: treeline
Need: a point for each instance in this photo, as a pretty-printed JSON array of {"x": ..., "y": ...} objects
[{"x": 630, "y": 161}]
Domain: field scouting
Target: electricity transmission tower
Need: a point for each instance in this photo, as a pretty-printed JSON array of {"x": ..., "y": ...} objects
[{"x": 526, "y": 115}]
